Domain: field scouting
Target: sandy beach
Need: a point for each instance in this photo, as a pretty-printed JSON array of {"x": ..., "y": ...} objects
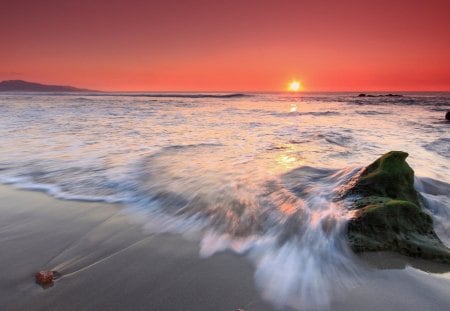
[{"x": 107, "y": 262}]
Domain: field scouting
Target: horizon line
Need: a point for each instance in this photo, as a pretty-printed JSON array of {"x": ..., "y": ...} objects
[{"x": 87, "y": 90}]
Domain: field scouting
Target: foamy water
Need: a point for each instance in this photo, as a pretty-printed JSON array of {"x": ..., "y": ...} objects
[{"x": 255, "y": 174}]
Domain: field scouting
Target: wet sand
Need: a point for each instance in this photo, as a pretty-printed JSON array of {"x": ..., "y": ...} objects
[{"x": 109, "y": 263}]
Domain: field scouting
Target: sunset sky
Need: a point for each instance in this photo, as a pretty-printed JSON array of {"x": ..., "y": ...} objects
[{"x": 233, "y": 45}]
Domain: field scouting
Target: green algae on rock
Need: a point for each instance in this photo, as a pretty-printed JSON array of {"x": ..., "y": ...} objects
[
  {"x": 388, "y": 214},
  {"x": 389, "y": 177}
]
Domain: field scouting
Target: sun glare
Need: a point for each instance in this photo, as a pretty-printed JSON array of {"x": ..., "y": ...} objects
[{"x": 294, "y": 86}]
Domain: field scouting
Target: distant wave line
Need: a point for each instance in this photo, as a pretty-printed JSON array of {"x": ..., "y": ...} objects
[{"x": 156, "y": 95}]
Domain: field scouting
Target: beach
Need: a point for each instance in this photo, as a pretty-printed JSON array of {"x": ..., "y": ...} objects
[
  {"x": 211, "y": 201},
  {"x": 108, "y": 262}
]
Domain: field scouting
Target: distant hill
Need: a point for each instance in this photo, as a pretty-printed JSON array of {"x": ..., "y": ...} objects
[{"x": 25, "y": 86}]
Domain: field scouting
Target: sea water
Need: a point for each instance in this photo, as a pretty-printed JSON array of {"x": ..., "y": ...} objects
[{"x": 256, "y": 174}]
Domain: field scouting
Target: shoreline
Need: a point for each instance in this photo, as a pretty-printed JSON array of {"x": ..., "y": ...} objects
[{"x": 107, "y": 261}]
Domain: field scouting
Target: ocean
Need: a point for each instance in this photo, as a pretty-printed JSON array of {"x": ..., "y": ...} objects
[{"x": 256, "y": 174}]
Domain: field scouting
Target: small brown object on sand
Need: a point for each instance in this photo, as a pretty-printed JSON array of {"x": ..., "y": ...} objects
[{"x": 44, "y": 278}]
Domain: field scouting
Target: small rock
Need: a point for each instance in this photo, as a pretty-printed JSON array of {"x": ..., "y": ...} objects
[
  {"x": 394, "y": 95},
  {"x": 447, "y": 116},
  {"x": 44, "y": 277}
]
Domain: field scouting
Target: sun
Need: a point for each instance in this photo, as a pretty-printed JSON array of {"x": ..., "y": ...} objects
[{"x": 294, "y": 86}]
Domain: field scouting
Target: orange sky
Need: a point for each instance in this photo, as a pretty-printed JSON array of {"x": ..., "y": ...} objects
[{"x": 233, "y": 45}]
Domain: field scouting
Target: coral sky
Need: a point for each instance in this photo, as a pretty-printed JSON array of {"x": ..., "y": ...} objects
[{"x": 246, "y": 45}]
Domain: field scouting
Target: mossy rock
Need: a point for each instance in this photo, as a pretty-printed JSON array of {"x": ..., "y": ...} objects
[
  {"x": 388, "y": 214},
  {"x": 389, "y": 176}
]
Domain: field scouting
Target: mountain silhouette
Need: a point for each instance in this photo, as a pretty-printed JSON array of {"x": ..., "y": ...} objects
[{"x": 26, "y": 86}]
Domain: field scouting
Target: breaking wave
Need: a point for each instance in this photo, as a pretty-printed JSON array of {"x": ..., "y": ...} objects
[{"x": 290, "y": 226}]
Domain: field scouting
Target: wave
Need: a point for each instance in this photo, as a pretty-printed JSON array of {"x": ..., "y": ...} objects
[
  {"x": 372, "y": 112},
  {"x": 443, "y": 108},
  {"x": 172, "y": 95},
  {"x": 435, "y": 196},
  {"x": 234, "y": 95},
  {"x": 86, "y": 182},
  {"x": 83, "y": 100},
  {"x": 432, "y": 186},
  {"x": 309, "y": 113},
  {"x": 175, "y": 95},
  {"x": 145, "y": 95},
  {"x": 291, "y": 226},
  {"x": 440, "y": 146},
  {"x": 401, "y": 101},
  {"x": 335, "y": 138}
]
